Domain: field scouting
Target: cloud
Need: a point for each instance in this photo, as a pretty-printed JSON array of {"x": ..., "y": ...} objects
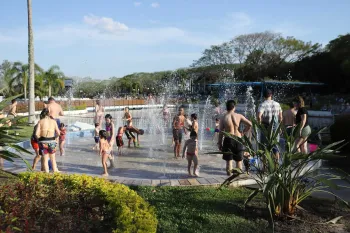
[
  {"x": 105, "y": 24},
  {"x": 237, "y": 21},
  {"x": 137, "y": 4},
  {"x": 153, "y": 21},
  {"x": 155, "y": 5}
]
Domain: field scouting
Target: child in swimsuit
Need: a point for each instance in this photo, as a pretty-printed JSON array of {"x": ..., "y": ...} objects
[
  {"x": 105, "y": 150},
  {"x": 128, "y": 117},
  {"x": 62, "y": 138},
  {"x": 110, "y": 133},
  {"x": 119, "y": 139},
  {"x": 192, "y": 153},
  {"x": 217, "y": 131},
  {"x": 96, "y": 136}
]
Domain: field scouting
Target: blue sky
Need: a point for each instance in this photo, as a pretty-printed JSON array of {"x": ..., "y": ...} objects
[{"x": 104, "y": 38}]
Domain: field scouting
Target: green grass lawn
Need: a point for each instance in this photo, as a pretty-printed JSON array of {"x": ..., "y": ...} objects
[{"x": 202, "y": 209}]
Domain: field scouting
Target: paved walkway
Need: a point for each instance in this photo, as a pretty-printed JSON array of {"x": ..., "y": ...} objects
[{"x": 153, "y": 165}]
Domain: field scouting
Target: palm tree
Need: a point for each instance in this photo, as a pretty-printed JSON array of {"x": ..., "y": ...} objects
[
  {"x": 5, "y": 77},
  {"x": 31, "y": 117},
  {"x": 54, "y": 78},
  {"x": 20, "y": 77}
]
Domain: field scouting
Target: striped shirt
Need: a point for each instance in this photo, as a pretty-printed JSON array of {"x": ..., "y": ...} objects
[{"x": 270, "y": 111}]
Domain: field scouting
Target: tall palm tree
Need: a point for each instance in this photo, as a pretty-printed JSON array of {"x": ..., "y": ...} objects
[
  {"x": 20, "y": 77},
  {"x": 31, "y": 117},
  {"x": 54, "y": 78}
]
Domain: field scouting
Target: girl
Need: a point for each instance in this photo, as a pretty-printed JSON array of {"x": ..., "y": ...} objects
[
  {"x": 62, "y": 138},
  {"x": 301, "y": 119},
  {"x": 105, "y": 150},
  {"x": 119, "y": 139},
  {"x": 96, "y": 136},
  {"x": 110, "y": 131}
]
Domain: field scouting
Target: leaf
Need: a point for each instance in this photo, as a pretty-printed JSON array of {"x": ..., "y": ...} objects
[
  {"x": 251, "y": 196},
  {"x": 21, "y": 149},
  {"x": 334, "y": 220},
  {"x": 328, "y": 183}
]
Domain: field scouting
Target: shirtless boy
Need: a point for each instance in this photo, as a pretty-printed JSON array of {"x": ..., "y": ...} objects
[
  {"x": 99, "y": 112},
  {"x": 229, "y": 123},
  {"x": 119, "y": 139},
  {"x": 127, "y": 117},
  {"x": 194, "y": 123},
  {"x": 178, "y": 124},
  {"x": 55, "y": 110}
]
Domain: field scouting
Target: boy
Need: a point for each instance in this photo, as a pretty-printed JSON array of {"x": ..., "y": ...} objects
[
  {"x": 119, "y": 139},
  {"x": 96, "y": 136},
  {"x": 192, "y": 153}
]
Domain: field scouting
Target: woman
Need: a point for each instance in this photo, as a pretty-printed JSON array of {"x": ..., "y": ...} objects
[
  {"x": 301, "y": 119},
  {"x": 110, "y": 135},
  {"x": 99, "y": 112},
  {"x": 45, "y": 133}
]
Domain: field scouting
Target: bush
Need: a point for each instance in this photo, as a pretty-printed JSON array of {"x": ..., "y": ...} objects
[
  {"x": 41, "y": 202},
  {"x": 340, "y": 130}
]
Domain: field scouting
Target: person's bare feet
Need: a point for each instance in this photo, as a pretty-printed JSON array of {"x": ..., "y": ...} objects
[
  {"x": 189, "y": 174},
  {"x": 105, "y": 174},
  {"x": 195, "y": 174}
]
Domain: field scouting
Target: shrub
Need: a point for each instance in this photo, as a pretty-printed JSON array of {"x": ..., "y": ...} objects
[
  {"x": 41, "y": 202},
  {"x": 284, "y": 184},
  {"x": 340, "y": 130}
]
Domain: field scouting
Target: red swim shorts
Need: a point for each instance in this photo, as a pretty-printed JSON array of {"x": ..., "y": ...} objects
[{"x": 35, "y": 144}]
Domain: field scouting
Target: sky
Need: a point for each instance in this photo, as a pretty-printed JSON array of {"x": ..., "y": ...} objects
[{"x": 105, "y": 38}]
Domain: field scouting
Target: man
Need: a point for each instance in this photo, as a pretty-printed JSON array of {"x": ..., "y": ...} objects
[
  {"x": 178, "y": 124},
  {"x": 289, "y": 118},
  {"x": 99, "y": 112},
  {"x": 269, "y": 113},
  {"x": 229, "y": 123},
  {"x": 55, "y": 110},
  {"x": 12, "y": 111}
]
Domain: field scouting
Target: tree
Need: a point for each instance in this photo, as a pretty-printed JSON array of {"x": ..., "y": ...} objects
[
  {"x": 31, "y": 117},
  {"x": 216, "y": 55},
  {"x": 20, "y": 77},
  {"x": 5, "y": 77},
  {"x": 54, "y": 78}
]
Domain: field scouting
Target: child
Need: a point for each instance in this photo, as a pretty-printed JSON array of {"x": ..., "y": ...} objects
[
  {"x": 62, "y": 138},
  {"x": 119, "y": 139},
  {"x": 192, "y": 153},
  {"x": 110, "y": 132},
  {"x": 217, "y": 131},
  {"x": 105, "y": 150},
  {"x": 96, "y": 136},
  {"x": 127, "y": 117}
]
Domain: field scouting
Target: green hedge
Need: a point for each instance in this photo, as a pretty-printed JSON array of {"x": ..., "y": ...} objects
[{"x": 40, "y": 202}]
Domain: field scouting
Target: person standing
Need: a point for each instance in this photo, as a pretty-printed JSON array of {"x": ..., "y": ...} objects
[
  {"x": 178, "y": 125},
  {"x": 55, "y": 110},
  {"x": 289, "y": 118},
  {"x": 99, "y": 112},
  {"x": 269, "y": 114},
  {"x": 230, "y": 123},
  {"x": 46, "y": 130},
  {"x": 13, "y": 108},
  {"x": 303, "y": 126}
]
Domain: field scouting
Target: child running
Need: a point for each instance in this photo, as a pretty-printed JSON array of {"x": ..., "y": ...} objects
[
  {"x": 62, "y": 138},
  {"x": 119, "y": 139},
  {"x": 105, "y": 150},
  {"x": 192, "y": 153},
  {"x": 96, "y": 136}
]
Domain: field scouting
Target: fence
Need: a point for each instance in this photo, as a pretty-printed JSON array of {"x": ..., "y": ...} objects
[{"x": 22, "y": 107}]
